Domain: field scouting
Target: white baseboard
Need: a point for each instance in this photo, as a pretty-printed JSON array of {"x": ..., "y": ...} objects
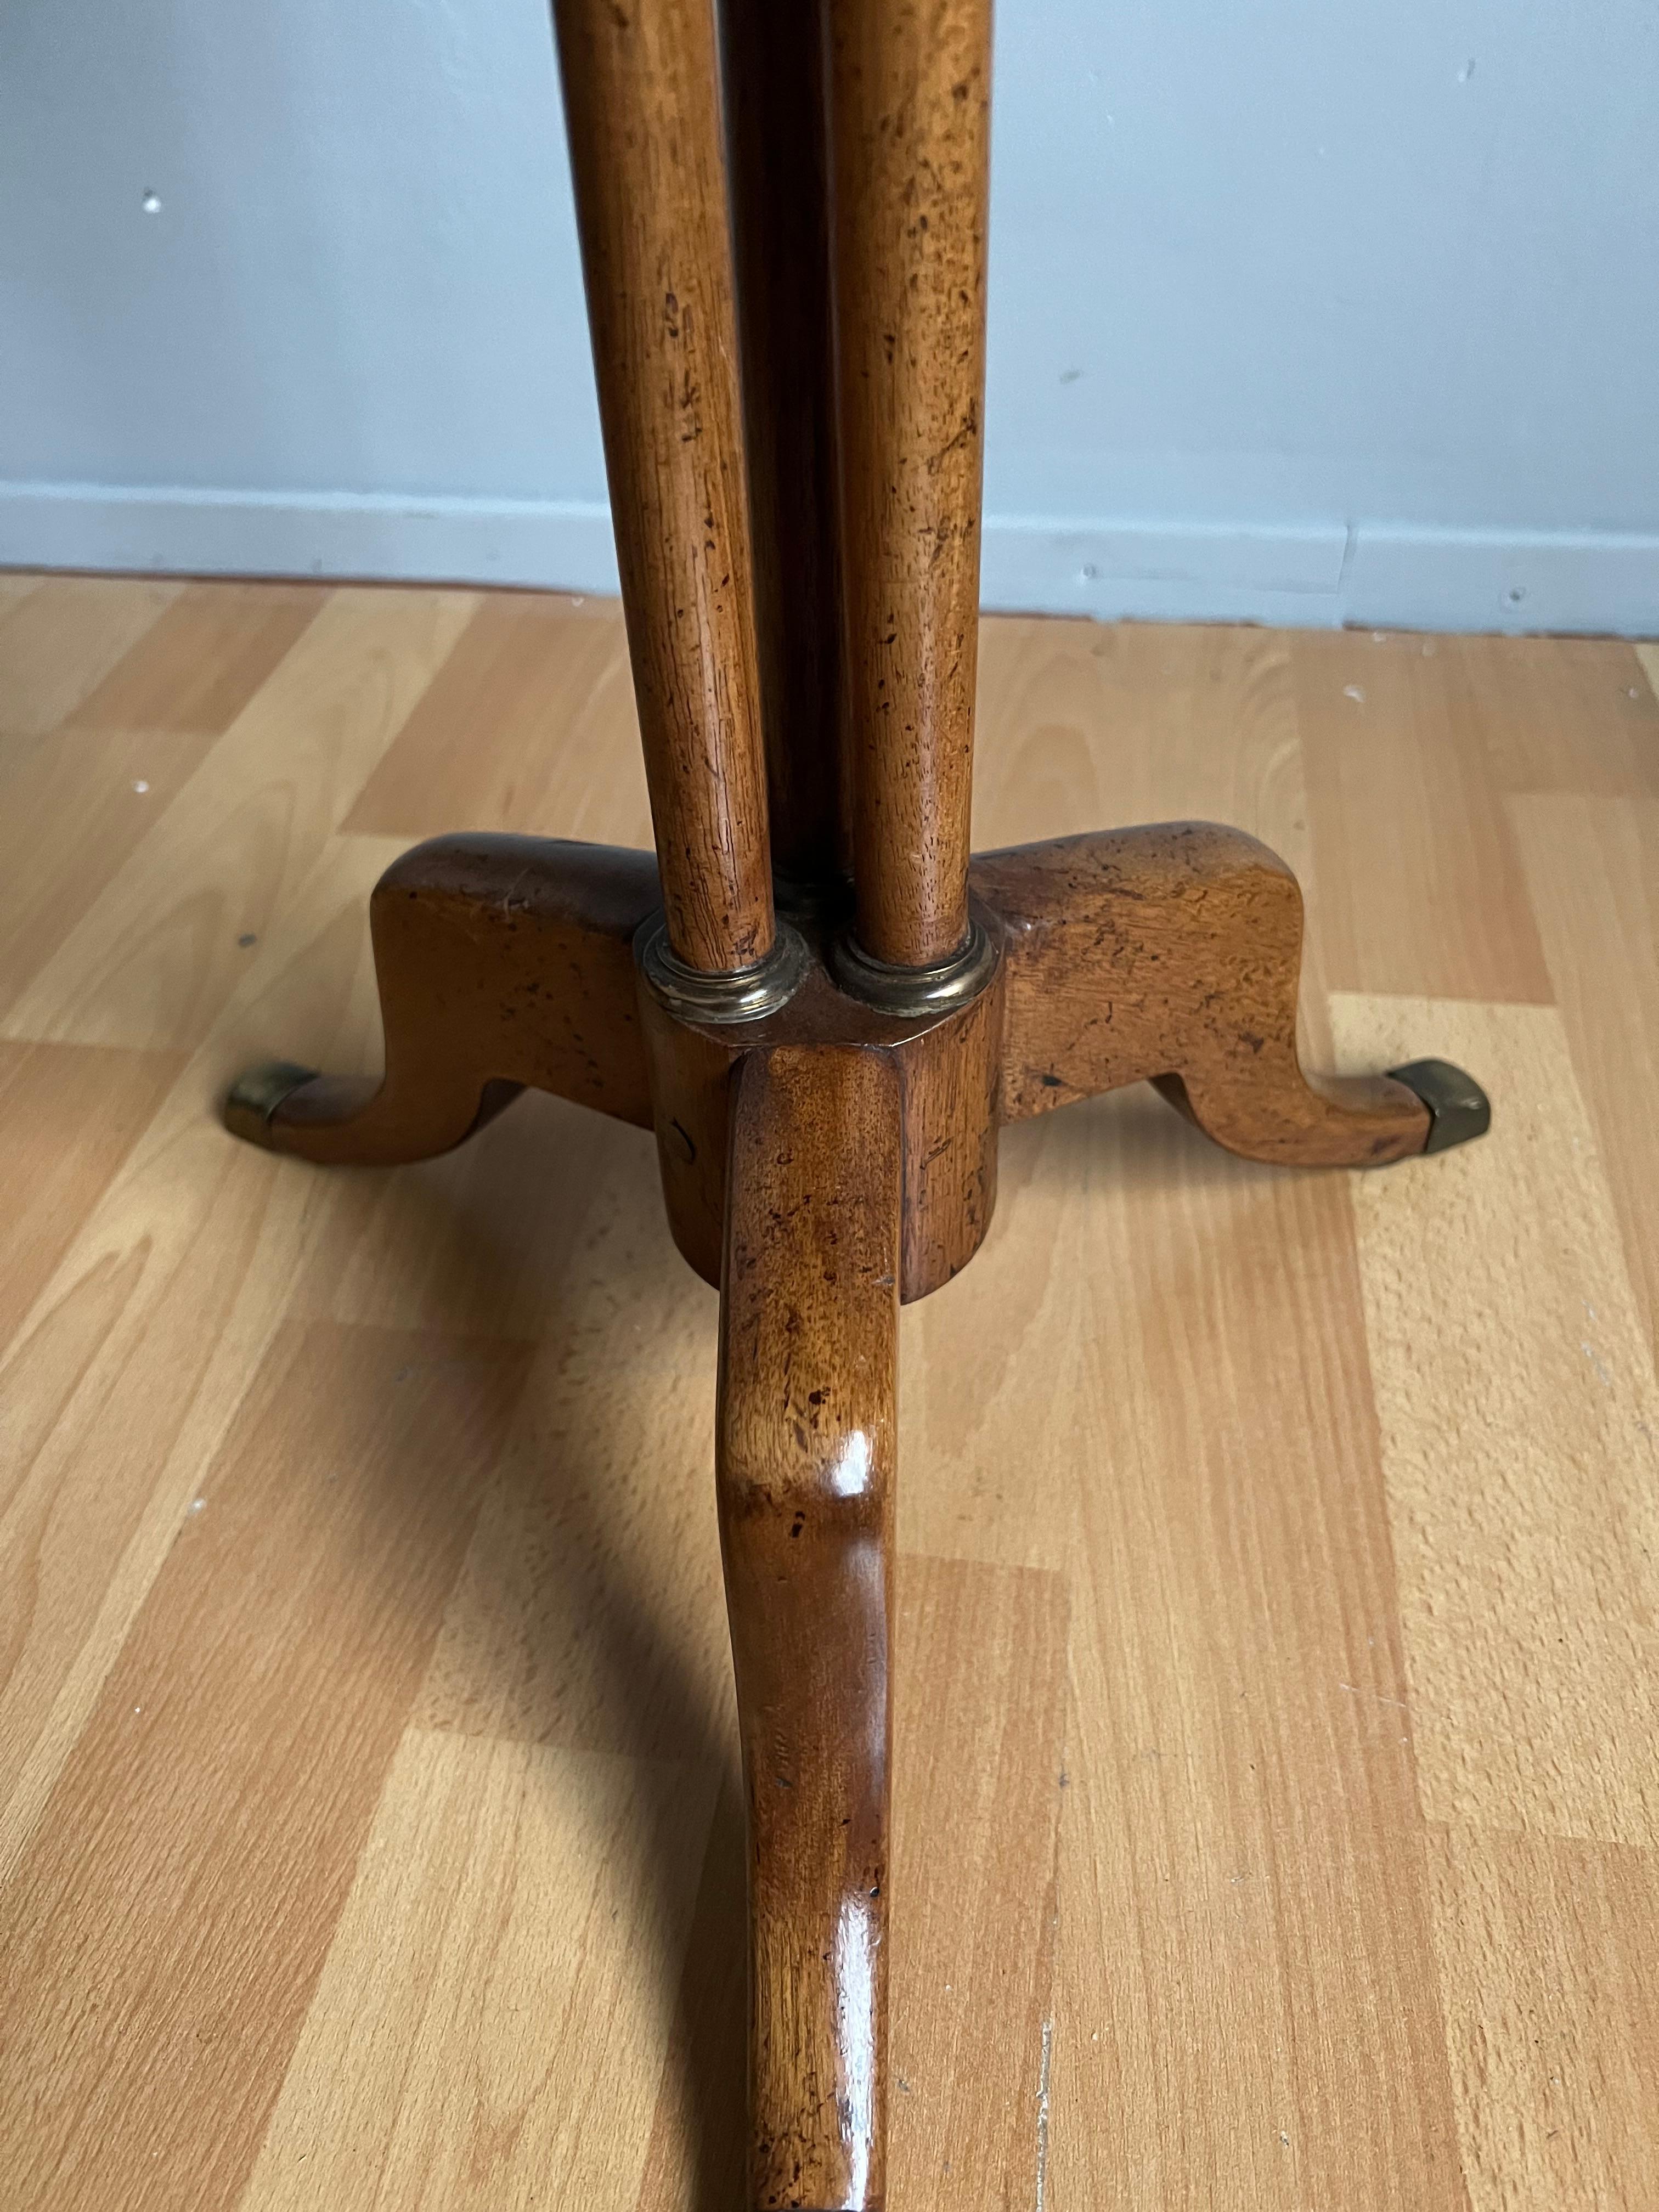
[
  {"x": 1386, "y": 575},
  {"x": 553, "y": 544},
  {"x": 1318, "y": 575}
]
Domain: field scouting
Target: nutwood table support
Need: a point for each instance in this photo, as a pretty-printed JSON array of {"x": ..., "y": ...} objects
[
  {"x": 825, "y": 1088},
  {"x": 1168, "y": 954},
  {"x": 822, "y": 1162}
]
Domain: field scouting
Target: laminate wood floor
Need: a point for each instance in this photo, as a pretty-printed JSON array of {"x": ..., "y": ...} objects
[{"x": 1280, "y": 1593}]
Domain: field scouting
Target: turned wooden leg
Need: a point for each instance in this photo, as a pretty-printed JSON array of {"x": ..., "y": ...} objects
[
  {"x": 642, "y": 112},
  {"x": 910, "y": 115},
  {"x": 502, "y": 963},
  {"x": 807, "y": 1384},
  {"x": 1174, "y": 953}
]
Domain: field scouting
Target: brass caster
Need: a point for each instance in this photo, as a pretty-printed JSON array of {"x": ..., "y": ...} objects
[
  {"x": 1458, "y": 1107},
  {"x": 256, "y": 1095}
]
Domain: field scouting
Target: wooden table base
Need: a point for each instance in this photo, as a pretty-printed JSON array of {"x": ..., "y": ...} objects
[{"x": 820, "y": 1164}]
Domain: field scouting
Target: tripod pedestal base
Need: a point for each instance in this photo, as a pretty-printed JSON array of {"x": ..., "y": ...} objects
[{"x": 820, "y": 1163}]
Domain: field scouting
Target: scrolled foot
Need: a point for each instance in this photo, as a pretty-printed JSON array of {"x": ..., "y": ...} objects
[
  {"x": 1173, "y": 954},
  {"x": 503, "y": 962}
]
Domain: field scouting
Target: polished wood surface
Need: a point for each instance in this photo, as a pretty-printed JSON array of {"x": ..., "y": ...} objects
[
  {"x": 910, "y": 121},
  {"x": 643, "y": 110},
  {"x": 777, "y": 131},
  {"x": 502, "y": 962},
  {"x": 1174, "y": 953},
  {"x": 948, "y": 1066},
  {"x": 1169, "y": 954},
  {"x": 806, "y": 1427},
  {"x": 1274, "y": 1695}
]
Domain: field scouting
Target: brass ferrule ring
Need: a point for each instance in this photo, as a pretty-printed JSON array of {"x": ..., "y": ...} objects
[
  {"x": 914, "y": 991},
  {"x": 744, "y": 994}
]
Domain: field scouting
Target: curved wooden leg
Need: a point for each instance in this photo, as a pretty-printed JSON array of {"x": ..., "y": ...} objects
[
  {"x": 1174, "y": 953},
  {"x": 808, "y": 1371},
  {"x": 502, "y": 963}
]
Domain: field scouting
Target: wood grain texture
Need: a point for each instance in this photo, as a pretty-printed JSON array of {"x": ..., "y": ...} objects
[
  {"x": 199, "y": 663},
  {"x": 500, "y": 961},
  {"x": 115, "y": 1399},
  {"x": 1522, "y": 1496},
  {"x": 58, "y": 642},
  {"x": 234, "y": 1758},
  {"x": 806, "y": 1431},
  {"x": 76, "y": 1113},
  {"x": 1174, "y": 953},
  {"x": 980, "y": 1726},
  {"x": 589, "y": 1615},
  {"x": 480, "y": 1242},
  {"x": 1150, "y": 722},
  {"x": 1218, "y": 1481},
  {"x": 909, "y": 100},
  {"x": 698, "y": 2152},
  {"x": 529, "y": 726},
  {"x": 74, "y": 802},
  {"x": 153, "y": 957},
  {"x": 1095, "y": 724},
  {"x": 948, "y": 1066},
  {"x": 114, "y": 1395},
  {"x": 1566, "y": 715},
  {"x": 1241, "y": 1785},
  {"x": 1592, "y": 871},
  {"x": 1430, "y": 900},
  {"x": 483, "y": 1917},
  {"x": 641, "y": 103},
  {"x": 1548, "y": 1952},
  {"x": 73, "y": 807}
]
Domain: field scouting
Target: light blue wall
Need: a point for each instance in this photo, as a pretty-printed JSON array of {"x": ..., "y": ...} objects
[{"x": 1305, "y": 310}]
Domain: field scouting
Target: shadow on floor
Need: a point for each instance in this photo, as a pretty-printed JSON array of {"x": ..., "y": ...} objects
[{"x": 595, "y": 1650}]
